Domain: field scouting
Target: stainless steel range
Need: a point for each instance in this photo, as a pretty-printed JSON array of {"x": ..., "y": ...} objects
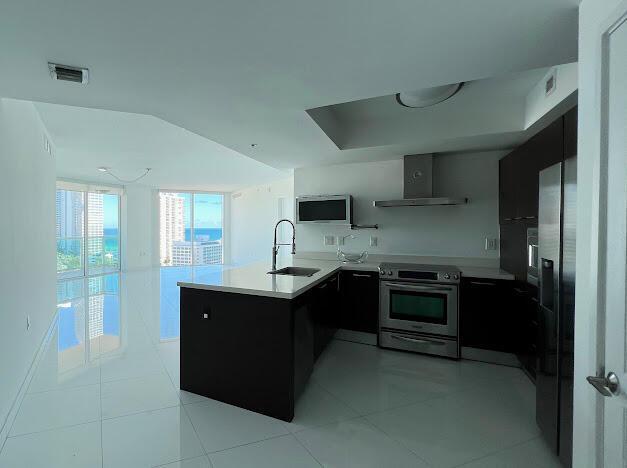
[{"x": 418, "y": 308}]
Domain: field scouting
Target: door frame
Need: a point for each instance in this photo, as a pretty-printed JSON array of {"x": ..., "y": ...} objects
[{"x": 590, "y": 316}]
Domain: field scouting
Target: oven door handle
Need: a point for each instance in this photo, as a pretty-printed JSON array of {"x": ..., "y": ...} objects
[
  {"x": 408, "y": 287},
  {"x": 419, "y": 341}
]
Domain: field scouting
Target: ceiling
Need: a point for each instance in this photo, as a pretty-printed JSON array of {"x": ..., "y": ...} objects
[
  {"x": 86, "y": 139},
  {"x": 239, "y": 72},
  {"x": 482, "y": 111}
]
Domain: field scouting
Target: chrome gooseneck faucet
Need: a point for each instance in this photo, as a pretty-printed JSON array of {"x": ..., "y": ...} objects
[{"x": 275, "y": 246}]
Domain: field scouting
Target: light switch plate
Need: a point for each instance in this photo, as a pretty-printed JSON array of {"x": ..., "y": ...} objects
[
  {"x": 329, "y": 240},
  {"x": 373, "y": 241},
  {"x": 490, "y": 243}
]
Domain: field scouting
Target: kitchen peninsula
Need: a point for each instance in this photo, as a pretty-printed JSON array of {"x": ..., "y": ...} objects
[{"x": 251, "y": 339}]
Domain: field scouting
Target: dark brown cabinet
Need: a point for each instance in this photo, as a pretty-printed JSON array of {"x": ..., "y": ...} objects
[
  {"x": 518, "y": 173},
  {"x": 507, "y": 187},
  {"x": 325, "y": 308},
  {"x": 513, "y": 243},
  {"x": 490, "y": 317},
  {"x": 570, "y": 133},
  {"x": 359, "y": 301}
]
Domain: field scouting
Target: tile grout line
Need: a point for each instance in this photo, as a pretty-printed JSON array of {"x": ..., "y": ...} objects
[
  {"x": 21, "y": 395},
  {"x": 182, "y": 406},
  {"x": 308, "y": 451},
  {"x": 496, "y": 452},
  {"x": 84, "y": 423},
  {"x": 397, "y": 442}
]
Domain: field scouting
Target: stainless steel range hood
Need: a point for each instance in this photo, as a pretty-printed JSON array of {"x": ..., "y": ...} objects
[{"x": 418, "y": 185}]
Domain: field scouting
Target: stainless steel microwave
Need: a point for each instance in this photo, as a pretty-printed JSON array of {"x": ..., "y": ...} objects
[{"x": 333, "y": 209}]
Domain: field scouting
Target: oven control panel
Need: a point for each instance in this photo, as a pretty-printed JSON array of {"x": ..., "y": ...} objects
[{"x": 419, "y": 273}]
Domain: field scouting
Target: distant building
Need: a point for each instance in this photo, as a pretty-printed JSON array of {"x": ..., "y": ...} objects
[
  {"x": 171, "y": 224},
  {"x": 70, "y": 213},
  {"x": 197, "y": 253},
  {"x": 95, "y": 227}
]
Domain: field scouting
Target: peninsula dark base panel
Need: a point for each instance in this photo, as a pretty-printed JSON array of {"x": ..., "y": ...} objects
[{"x": 249, "y": 351}]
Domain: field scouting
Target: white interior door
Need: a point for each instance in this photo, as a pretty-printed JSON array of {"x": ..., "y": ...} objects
[{"x": 614, "y": 225}]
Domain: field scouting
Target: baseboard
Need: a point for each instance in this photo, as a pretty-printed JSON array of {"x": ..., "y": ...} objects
[
  {"x": 493, "y": 357},
  {"x": 356, "y": 337},
  {"x": 17, "y": 402}
]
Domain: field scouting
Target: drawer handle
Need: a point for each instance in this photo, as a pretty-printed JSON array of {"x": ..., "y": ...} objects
[
  {"x": 360, "y": 275},
  {"x": 416, "y": 340}
]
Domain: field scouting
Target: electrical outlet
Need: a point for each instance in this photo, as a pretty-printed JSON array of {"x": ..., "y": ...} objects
[
  {"x": 329, "y": 240},
  {"x": 490, "y": 243},
  {"x": 373, "y": 241}
]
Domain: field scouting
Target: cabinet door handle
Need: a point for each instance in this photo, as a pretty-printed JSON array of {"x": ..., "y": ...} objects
[
  {"x": 519, "y": 291},
  {"x": 360, "y": 275},
  {"x": 482, "y": 283}
]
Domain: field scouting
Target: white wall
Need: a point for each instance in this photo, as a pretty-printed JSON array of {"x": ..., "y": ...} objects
[
  {"x": 538, "y": 104},
  {"x": 27, "y": 244},
  {"x": 592, "y": 15},
  {"x": 140, "y": 227},
  {"x": 254, "y": 212},
  {"x": 457, "y": 231}
]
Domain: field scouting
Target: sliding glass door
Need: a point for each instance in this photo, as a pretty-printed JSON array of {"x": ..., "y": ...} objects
[
  {"x": 191, "y": 228},
  {"x": 103, "y": 231},
  {"x": 88, "y": 233},
  {"x": 70, "y": 226}
]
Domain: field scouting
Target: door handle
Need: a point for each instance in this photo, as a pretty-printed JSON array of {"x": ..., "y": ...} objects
[{"x": 607, "y": 386}]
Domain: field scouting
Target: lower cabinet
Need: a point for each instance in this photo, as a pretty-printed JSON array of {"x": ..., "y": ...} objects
[
  {"x": 493, "y": 315},
  {"x": 325, "y": 301},
  {"x": 359, "y": 302}
]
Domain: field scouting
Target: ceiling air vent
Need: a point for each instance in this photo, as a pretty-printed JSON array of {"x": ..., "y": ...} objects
[{"x": 68, "y": 73}]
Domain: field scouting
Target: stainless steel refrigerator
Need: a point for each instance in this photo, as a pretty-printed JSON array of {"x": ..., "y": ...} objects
[{"x": 556, "y": 315}]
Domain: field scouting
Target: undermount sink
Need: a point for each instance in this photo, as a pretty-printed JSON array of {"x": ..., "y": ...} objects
[{"x": 294, "y": 271}]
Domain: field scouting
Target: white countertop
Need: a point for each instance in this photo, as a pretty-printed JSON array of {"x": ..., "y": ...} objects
[{"x": 254, "y": 279}]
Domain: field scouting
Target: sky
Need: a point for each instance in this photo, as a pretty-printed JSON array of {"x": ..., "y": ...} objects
[
  {"x": 110, "y": 207},
  {"x": 207, "y": 209}
]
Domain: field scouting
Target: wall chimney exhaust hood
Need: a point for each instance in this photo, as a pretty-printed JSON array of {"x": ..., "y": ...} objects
[{"x": 418, "y": 185}]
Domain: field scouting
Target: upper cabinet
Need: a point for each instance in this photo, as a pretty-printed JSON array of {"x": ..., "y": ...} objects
[
  {"x": 570, "y": 134},
  {"x": 519, "y": 170}
]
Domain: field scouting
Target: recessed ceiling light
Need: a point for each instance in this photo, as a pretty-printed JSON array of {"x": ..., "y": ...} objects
[
  {"x": 426, "y": 97},
  {"x": 103, "y": 169}
]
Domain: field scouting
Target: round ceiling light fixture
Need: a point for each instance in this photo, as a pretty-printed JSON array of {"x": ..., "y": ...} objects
[{"x": 426, "y": 97}]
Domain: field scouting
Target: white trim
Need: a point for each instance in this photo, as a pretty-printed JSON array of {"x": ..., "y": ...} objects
[
  {"x": 588, "y": 437},
  {"x": 17, "y": 402}
]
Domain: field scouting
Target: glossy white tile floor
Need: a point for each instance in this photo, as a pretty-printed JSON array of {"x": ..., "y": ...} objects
[{"x": 106, "y": 395}]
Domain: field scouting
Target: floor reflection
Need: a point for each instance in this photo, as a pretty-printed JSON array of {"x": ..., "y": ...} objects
[{"x": 88, "y": 322}]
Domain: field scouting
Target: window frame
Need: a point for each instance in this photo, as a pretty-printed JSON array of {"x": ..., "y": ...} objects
[
  {"x": 222, "y": 220},
  {"x": 85, "y": 189}
]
